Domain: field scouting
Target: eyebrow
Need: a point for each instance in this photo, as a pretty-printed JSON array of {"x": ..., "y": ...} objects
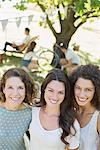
[
  {"x": 53, "y": 89},
  {"x": 85, "y": 87},
  {"x": 13, "y": 85}
]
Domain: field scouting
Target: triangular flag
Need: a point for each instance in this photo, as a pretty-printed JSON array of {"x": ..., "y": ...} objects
[
  {"x": 30, "y": 18},
  {"x": 4, "y": 24},
  {"x": 18, "y": 21}
]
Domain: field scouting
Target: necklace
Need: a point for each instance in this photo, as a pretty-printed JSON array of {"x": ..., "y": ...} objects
[
  {"x": 86, "y": 112},
  {"x": 83, "y": 115}
]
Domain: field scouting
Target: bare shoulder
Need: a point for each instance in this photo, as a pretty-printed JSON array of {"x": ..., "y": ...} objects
[{"x": 98, "y": 123}]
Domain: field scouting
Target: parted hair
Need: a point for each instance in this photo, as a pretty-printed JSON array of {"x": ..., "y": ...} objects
[
  {"x": 92, "y": 73},
  {"x": 67, "y": 115},
  {"x": 30, "y": 91}
]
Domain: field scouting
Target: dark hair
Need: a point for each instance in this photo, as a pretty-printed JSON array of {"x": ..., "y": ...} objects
[
  {"x": 67, "y": 115},
  {"x": 58, "y": 54},
  {"x": 92, "y": 73},
  {"x": 31, "y": 46},
  {"x": 27, "y": 29},
  {"x": 25, "y": 78}
]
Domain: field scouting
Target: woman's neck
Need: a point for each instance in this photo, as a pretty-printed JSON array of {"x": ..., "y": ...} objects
[
  {"x": 51, "y": 112},
  {"x": 86, "y": 110},
  {"x": 13, "y": 108}
]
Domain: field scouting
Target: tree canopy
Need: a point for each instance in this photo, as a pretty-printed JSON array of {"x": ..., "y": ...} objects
[{"x": 64, "y": 17}]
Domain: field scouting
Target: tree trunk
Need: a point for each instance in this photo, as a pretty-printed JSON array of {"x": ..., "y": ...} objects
[
  {"x": 66, "y": 25},
  {"x": 67, "y": 28}
]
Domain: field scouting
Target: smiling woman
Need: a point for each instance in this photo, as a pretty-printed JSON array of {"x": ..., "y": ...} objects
[
  {"x": 53, "y": 123},
  {"x": 15, "y": 110},
  {"x": 86, "y": 95}
]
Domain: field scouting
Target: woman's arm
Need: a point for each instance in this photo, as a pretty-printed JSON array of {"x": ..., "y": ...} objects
[
  {"x": 72, "y": 149},
  {"x": 66, "y": 63},
  {"x": 98, "y": 129}
]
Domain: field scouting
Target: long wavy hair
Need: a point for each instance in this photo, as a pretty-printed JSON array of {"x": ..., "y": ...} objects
[
  {"x": 30, "y": 91},
  {"x": 92, "y": 73},
  {"x": 67, "y": 114}
]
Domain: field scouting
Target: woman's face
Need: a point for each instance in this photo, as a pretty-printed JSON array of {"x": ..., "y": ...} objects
[
  {"x": 84, "y": 91},
  {"x": 14, "y": 91},
  {"x": 54, "y": 93}
]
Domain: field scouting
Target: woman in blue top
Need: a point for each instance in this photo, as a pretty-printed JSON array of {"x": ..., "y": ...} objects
[{"x": 16, "y": 93}]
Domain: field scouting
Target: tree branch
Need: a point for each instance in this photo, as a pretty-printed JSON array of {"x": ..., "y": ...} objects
[
  {"x": 87, "y": 16},
  {"x": 51, "y": 26},
  {"x": 59, "y": 15},
  {"x": 47, "y": 19}
]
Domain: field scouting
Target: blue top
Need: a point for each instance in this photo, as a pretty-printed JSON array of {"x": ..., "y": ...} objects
[{"x": 13, "y": 125}]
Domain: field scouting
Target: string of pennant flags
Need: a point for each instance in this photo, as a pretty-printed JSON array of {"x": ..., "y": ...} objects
[
  {"x": 17, "y": 20},
  {"x": 5, "y": 18}
]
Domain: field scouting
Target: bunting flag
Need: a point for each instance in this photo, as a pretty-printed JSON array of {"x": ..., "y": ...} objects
[
  {"x": 43, "y": 16},
  {"x": 4, "y": 24},
  {"x": 18, "y": 21},
  {"x": 30, "y": 19}
]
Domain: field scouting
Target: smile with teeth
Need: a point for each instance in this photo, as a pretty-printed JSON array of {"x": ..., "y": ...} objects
[
  {"x": 53, "y": 101},
  {"x": 82, "y": 99},
  {"x": 15, "y": 100}
]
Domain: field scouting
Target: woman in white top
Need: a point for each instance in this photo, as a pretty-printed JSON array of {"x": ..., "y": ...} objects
[
  {"x": 53, "y": 123},
  {"x": 71, "y": 60},
  {"x": 86, "y": 90},
  {"x": 30, "y": 54}
]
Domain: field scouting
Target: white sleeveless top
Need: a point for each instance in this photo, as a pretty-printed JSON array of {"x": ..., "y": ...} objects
[
  {"x": 89, "y": 137},
  {"x": 42, "y": 139}
]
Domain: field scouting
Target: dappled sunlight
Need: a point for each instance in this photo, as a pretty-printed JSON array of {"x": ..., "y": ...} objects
[{"x": 9, "y": 62}]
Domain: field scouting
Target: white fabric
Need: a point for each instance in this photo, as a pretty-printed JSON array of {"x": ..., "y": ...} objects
[
  {"x": 70, "y": 54},
  {"x": 30, "y": 55},
  {"x": 42, "y": 139},
  {"x": 89, "y": 135},
  {"x": 26, "y": 39},
  {"x": 74, "y": 140}
]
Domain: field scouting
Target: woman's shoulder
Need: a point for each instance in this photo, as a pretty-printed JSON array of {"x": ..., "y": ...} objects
[
  {"x": 96, "y": 114},
  {"x": 98, "y": 122},
  {"x": 35, "y": 109}
]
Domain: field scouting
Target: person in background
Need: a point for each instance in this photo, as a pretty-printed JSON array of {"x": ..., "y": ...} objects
[
  {"x": 17, "y": 91},
  {"x": 19, "y": 46},
  {"x": 27, "y": 59},
  {"x": 58, "y": 54},
  {"x": 53, "y": 123},
  {"x": 71, "y": 60},
  {"x": 85, "y": 82}
]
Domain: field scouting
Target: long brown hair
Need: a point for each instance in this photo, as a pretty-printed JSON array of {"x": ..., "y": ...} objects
[{"x": 67, "y": 115}]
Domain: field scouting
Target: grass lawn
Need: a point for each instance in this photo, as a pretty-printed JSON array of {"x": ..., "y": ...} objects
[
  {"x": 9, "y": 61},
  {"x": 14, "y": 60}
]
